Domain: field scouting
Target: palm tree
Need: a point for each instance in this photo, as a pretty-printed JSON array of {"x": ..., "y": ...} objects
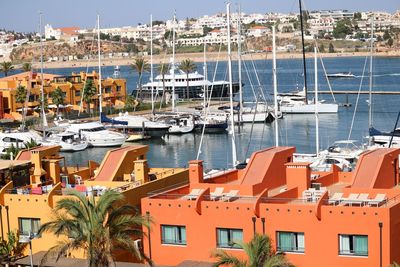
[
  {"x": 11, "y": 248},
  {"x": 88, "y": 92},
  {"x": 20, "y": 96},
  {"x": 259, "y": 252},
  {"x": 130, "y": 102},
  {"x": 6, "y": 67},
  {"x": 140, "y": 65},
  {"x": 57, "y": 97},
  {"x": 187, "y": 66},
  {"x": 96, "y": 226},
  {"x": 163, "y": 69},
  {"x": 27, "y": 66}
]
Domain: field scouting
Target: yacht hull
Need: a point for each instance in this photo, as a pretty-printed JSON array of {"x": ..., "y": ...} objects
[{"x": 309, "y": 108}]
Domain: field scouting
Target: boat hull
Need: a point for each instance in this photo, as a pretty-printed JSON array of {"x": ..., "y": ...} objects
[
  {"x": 309, "y": 108},
  {"x": 212, "y": 128}
]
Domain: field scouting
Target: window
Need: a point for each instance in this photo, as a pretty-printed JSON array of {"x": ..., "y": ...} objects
[
  {"x": 107, "y": 90},
  {"x": 227, "y": 237},
  {"x": 173, "y": 234},
  {"x": 28, "y": 226},
  {"x": 118, "y": 88},
  {"x": 77, "y": 92},
  {"x": 290, "y": 242},
  {"x": 356, "y": 245}
]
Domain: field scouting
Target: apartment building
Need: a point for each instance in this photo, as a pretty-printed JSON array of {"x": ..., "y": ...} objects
[{"x": 328, "y": 219}]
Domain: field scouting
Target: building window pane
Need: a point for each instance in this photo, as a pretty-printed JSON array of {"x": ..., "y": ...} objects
[
  {"x": 226, "y": 238},
  {"x": 173, "y": 234},
  {"x": 28, "y": 226},
  {"x": 290, "y": 242},
  {"x": 353, "y": 245}
]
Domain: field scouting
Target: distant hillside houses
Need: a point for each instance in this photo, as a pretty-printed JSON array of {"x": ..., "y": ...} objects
[{"x": 65, "y": 34}]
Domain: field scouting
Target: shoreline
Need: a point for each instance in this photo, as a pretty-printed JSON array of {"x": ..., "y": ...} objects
[{"x": 211, "y": 57}]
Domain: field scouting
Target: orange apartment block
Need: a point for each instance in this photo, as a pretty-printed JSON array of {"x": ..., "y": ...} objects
[
  {"x": 32, "y": 185},
  {"x": 114, "y": 90},
  {"x": 315, "y": 218}
]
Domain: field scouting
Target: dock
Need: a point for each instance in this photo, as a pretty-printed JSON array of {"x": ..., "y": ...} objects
[{"x": 358, "y": 92}]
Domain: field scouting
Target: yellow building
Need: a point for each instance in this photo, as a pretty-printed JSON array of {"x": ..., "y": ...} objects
[
  {"x": 113, "y": 91},
  {"x": 27, "y": 202}
]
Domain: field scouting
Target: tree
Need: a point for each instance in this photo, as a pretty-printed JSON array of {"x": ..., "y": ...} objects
[
  {"x": 97, "y": 227},
  {"x": 89, "y": 91},
  {"x": 187, "y": 66},
  {"x": 27, "y": 66},
  {"x": 163, "y": 69},
  {"x": 357, "y": 16},
  {"x": 331, "y": 48},
  {"x": 11, "y": 248},
  {"x": 20, "y": 96},
  {"x": 12, "y": 151},
  {"x": 6, "y": 67},
  {"x": 130, "y": 102},
  {"x": 259, "y": 252},
  {"x": 390, "y": 42},
  {"x": 140, "y": 65},
  {"x": 321, "y": 48},
  {"x": 57, "y": 97},
  {"x": 342, "y": 29},
  {"x": 386, "y": 35}
]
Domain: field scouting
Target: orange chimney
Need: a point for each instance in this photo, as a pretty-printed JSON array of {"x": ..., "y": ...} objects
[
  {"x": 298, "y": 174},
  {"x": 196, "y": 171}
]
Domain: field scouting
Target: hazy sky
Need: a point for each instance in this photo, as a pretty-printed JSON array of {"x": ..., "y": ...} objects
[{"x": 22, "y": 15}]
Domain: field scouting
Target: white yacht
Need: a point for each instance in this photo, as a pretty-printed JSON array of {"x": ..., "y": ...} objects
[
  {"x": 17, "y": 139},
  {"x": 141, "y": 124},
  {"x": 179, "y": 123},
  {"x": 96, "y": 135},
  {"x": 197, "y": 83},
  {"x": 68, "y": 141},
  {"x": 341, "y": 75},
  {"x": 295, "y": 103}
]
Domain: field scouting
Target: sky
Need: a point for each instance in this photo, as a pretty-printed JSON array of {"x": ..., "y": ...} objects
[{"x": 22, "y": 15}]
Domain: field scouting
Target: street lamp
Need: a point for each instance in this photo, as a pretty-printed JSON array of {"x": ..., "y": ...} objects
[{"x": 28, "y": 239}]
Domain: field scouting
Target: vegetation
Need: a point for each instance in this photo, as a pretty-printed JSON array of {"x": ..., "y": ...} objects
[
  {"x": 27, "y": 66},
  {"x": 140, "y": 65},
  {"x": 13, "y": 151},
  {"x": 259, "y": 252},
  {"x": 331, "y": 48},
  {"x": 96, "y": 227},
  {"x": 20, "y": 96},
  {"x": 130, "y": 103},
  {"x": 6, "y": 67},
  {"x": 89, "y": 91},
  {"x": 342, "y": 29},
  {"x": 11, "y": 248},
  {"x": 187, "y": 66},
  {"x": 163, "y": 69},
  {"x": 57, "y": 97}
]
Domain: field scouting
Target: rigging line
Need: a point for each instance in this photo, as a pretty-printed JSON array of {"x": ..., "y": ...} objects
[
  {"x": 325, "y": 74},
  {"x": 251, "y": 132},
  {"x": 358, "y": 97},
  {"x": 87, "y": 69},
  {"x": 260, "y": 88},
  {"x": 206, "y": 109},
  {"x": 250, "y": 80}
]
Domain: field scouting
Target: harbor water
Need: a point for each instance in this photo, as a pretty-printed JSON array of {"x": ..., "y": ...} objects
[{"x": 294, "y": 130}]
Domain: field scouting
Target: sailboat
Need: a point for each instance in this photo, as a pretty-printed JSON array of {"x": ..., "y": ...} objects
[{"x": 297, "y": 102}]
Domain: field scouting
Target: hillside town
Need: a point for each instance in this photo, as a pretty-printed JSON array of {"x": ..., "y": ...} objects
[{"x": 334, "y": 26}]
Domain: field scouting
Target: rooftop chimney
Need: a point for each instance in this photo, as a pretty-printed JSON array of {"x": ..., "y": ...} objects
[
  {"x": 298, "y": 174},
  {"x": 196, "y": 171}
]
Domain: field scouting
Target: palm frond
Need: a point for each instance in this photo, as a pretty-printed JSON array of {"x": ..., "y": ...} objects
[{"x": 223, "y": 258}]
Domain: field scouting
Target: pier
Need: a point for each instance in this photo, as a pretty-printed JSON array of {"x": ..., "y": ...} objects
[{"x": 358, "y": 92}]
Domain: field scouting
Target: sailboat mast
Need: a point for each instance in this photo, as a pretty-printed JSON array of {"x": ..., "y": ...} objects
[
  {"x": 275, "y": 86},
  {"x": 151, "y": 63},
  {"x": 316, "y": 101},
  {"x": 99, "y": 54},
  {"x": 228, "y": 19},
  {"x": 239, "y": 51},
  {"x": 173, "y": 63},
  {"x": 370, "y": 73},
  {"x": 304, "y": 51},
  {"x": 44, "y": 120},
  {"x": 205, "y": 85}
]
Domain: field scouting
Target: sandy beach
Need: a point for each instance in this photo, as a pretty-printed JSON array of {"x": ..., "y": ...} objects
[{"x": 214, "y": 56}]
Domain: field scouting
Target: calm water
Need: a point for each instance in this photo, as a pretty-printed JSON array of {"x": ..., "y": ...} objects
[{"x": 294, "y": 130}]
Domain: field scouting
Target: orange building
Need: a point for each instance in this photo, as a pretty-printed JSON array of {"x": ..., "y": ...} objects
[
  {"x": 114, "y": 90},
  {"x": 32, "y": 185},
  {"x": 316, "y": 218}
]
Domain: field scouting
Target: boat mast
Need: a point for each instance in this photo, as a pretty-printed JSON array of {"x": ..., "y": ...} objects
[
  {"x": 370, "y": 72},
  {"x": 44, "y": 120},
  {"x": 239, "y": 51},
  {"x": 275, "y": 86},
  {"x": 151, "y": 63},
  {"x": 316, "y": 101},
  {"x": 304, "y": 52},
  {"x": 228, "y": 19},
  {"x": 99, "y": 55},
  {"x": 173, "y": 63},
  {"x": 205, "y": 86}
]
